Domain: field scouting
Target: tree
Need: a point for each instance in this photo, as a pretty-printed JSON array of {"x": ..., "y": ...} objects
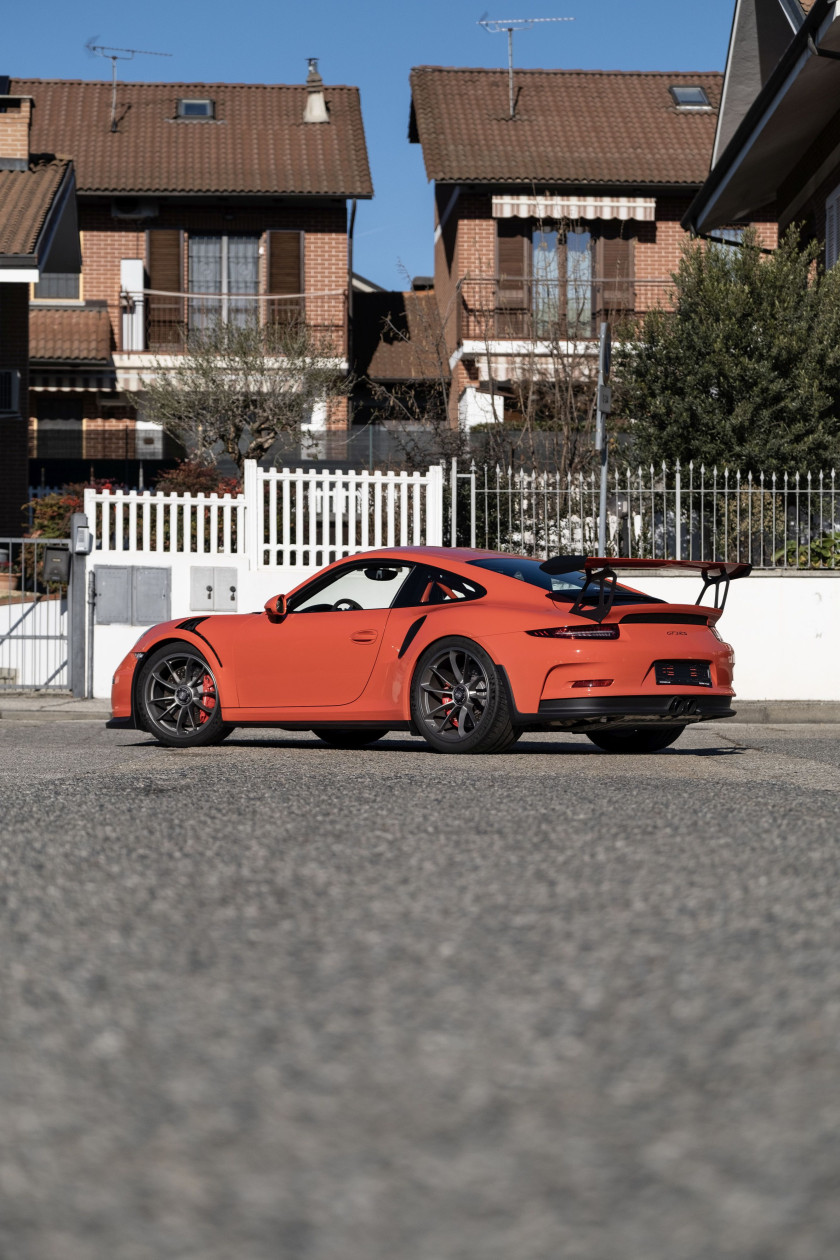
[
  {"x": 238, "y": 388},
  {"x": 745, "y": 370}
]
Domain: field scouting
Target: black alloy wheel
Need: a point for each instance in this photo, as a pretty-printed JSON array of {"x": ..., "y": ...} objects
[
  {"x": 178, "y": 698},
  {"x": 459, "y": 701},
  {"x": 636, "y": 739},
  {"x": 349, "y": 736}
]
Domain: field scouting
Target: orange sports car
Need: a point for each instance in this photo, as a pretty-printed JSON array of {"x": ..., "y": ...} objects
[{"x": 465, "y": 648}]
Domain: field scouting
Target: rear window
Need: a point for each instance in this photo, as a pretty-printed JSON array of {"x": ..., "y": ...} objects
[{"x": 563, "y": 586}]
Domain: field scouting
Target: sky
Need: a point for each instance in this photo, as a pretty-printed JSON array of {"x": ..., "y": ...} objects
[{"x": 371, "y": 44}]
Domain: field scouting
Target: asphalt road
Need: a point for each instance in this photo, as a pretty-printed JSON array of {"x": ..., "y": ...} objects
[{"x": 276, "y": 1002}]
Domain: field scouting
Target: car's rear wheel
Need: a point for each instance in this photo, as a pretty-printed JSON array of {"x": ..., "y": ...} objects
[
  {"x": 636, "y": 739},
  {"x": 459, "y": 702},
  {"x": 349, "y": 736},
  {"x": 178, "y": 698}
]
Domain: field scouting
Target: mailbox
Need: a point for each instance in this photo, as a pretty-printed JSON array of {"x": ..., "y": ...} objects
[{"x": 56, "y": 565}]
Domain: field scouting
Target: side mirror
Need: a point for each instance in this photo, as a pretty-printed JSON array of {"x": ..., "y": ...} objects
[{"x": 276, "y": 607}]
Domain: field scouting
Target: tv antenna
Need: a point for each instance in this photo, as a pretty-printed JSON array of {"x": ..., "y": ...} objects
[
  {"x": 114, "y": 55},
  {"x": 495, "y": 26}
]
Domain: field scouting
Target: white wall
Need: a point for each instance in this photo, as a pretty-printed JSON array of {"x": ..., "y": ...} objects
[{"x": 785, "y": 628}]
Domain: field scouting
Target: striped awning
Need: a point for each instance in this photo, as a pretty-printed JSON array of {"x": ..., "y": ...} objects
[
  {"x": 528, "y": 206},
  {"x": 47, "y": 382}
]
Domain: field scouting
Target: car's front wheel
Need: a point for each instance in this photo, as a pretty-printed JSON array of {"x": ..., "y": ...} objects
[
  {"x": 459, "y": 702},
  {"x": 178, "y": 698},
  {"x": 636, "y": 739}
]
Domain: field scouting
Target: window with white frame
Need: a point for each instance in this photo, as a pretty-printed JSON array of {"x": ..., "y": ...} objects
[
  {"x": 832, "y": 228},
  {"x": 226, "y": 270}
]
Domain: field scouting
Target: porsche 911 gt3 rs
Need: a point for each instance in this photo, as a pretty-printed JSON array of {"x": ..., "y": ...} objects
[{"x": 465, "y": 648}]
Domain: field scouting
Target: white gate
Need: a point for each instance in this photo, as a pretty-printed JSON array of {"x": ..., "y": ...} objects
[{"x": 34, "y": 623}]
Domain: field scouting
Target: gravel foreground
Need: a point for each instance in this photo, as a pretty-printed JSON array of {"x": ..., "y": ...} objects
[{"x": 272, "y": 1001}]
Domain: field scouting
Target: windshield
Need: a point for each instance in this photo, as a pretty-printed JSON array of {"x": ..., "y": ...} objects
[{"x": 563, "y": 586}]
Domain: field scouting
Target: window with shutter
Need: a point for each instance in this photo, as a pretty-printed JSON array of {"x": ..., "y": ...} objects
[
  {"x": 164, "y": 259},
  {"x": 285, "y": 276},
  {"x": 832, "y": 229},
  {"x": 614, "y": 273}
]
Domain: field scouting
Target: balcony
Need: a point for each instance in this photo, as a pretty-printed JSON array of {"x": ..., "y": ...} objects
[
  {"x": 494, "y": 308},
  {"x": 156, "y": 323}
]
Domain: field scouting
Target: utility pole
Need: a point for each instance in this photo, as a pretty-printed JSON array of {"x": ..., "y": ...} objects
[{"x": 603, "y": 409}]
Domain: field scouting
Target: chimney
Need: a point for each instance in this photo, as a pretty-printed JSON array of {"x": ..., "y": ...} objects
[
  {"x": 15, "y": 112},
  {"x": 316, "y": 106}
]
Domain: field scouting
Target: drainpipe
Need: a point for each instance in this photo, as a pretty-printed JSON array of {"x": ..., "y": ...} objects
[{"x": 350, "y": 231}]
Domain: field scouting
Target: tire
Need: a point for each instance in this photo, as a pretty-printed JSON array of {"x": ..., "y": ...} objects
[
  {"x": 177, "y": 698},
  {"x": 459, "y": 701},
  {"x": 349, "y": 736},
  {"x": 637, "y": 739}
]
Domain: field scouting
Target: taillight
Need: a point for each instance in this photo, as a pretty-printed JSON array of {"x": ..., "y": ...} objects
[{"x": 576, "y": 632}]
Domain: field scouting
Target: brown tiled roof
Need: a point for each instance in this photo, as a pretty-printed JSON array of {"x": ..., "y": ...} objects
[
  {"x": 71, "y": 332},
  {"x": 394, "y": 336},
  {"x": 579, "y": 127},
  {"x": 257, "y": 143},
  {"x": 25, "y": 201}
]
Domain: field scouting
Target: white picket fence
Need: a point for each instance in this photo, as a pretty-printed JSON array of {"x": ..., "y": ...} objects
[{"x": 284, "y": 517}]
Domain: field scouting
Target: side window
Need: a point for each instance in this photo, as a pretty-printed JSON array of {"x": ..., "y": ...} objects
[
  {"x": 437, "y": 586},
  {"x": 356, "y": 586}
]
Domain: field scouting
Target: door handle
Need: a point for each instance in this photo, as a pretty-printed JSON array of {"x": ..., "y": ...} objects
[{"x": 364, "y": 636}]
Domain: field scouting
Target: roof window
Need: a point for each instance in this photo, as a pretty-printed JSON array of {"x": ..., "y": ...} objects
[
  {"x": 689, "y": 96},
  {"x": 194, "y": 107}
]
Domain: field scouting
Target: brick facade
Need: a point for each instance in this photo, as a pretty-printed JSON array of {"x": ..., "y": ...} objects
[
  {"x": 108, "y": 433},
  {"x": 465, "y": 256}
]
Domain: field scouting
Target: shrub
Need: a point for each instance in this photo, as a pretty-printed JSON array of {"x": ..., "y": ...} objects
[
  {"x": 51, "y": 515},
  {"x": 192, "y": 476}
]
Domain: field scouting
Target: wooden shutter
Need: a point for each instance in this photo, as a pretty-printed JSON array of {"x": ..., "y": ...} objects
[
  {"x": 165, "y": 265},
  {"x": 285, "y": 275},
  {"x": 614, "y": 276},
  {"x": 513, "y": 250}
]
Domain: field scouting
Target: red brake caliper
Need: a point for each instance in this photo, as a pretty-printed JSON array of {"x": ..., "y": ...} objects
[{"x": 208, "y": 697}]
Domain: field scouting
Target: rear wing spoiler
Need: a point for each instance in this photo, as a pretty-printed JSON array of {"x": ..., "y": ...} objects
[{"x": 601, "y": 577}]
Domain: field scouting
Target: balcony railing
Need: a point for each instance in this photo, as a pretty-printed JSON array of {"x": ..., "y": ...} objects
[
  {"x": 500, "y": 308},
  {"x": 157, "y": 322}
]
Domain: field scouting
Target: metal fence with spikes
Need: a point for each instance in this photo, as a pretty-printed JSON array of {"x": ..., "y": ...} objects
[{"x": 788, "y": 520}]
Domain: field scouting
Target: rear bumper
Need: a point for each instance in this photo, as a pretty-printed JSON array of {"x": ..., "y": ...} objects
[{"x": 579, "y": 714}]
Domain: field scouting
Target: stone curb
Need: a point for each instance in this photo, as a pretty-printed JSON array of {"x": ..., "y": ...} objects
[{"x": 821, "y": 712}]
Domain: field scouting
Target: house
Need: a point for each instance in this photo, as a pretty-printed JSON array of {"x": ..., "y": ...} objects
[
  {"x": 38, "y": 238},
  {"x": 197, "y": 202},
  {"x": 558, "y": 199},
  {"x": 777, "y": 147},
  {"x": 400, "y": 358}
]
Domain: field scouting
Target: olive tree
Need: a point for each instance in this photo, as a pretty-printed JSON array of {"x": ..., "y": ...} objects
[{"x": 237, "y": 388}]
